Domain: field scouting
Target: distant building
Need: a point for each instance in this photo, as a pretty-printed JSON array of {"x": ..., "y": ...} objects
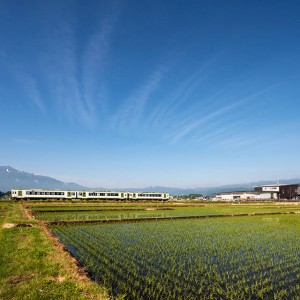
[
  {"x": 268, "y": 192},
  {"x": 281, "y": 191},
  {"x": 242, "y": 196}
]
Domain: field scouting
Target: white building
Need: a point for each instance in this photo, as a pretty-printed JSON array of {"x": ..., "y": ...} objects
[
  {"x": 281, "y": 191},
  {"x": 243, "y": 196},
  {"x": 266, "y": 192}
]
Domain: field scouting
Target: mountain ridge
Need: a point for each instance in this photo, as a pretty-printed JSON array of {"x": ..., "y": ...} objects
[{"x": 12, "y": 178}]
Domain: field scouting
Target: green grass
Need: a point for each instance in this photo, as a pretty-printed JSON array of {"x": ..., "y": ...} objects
[{"x": 32, "y": 267}]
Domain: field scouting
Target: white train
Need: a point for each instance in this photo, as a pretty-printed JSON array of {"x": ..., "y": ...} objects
[{"x": 88, "y": 195}]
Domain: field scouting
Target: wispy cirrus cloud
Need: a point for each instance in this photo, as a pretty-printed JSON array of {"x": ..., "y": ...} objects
[
  {"x": 214, "y": 135},
  {"x": 239, "y": 141},
  {"x": 29, "y": 85},
  {"x": 133, "y": 109},
  {"x": 78, "y": 75},
  {"x": 192, "y": 125},
  {"x": 26, "y": 83},
  {"x": 93, "y": 61},
  {"x": 182, "y": 93},
  {"x": 64, "y": 72}
]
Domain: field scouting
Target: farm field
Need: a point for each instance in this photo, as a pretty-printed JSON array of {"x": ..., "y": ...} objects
[
  {"x": 85, "y": 207},
  {"x": 248, "y": 257},
  {"x": 142, "y": 211},
  {"x": 228, "y": 258}
]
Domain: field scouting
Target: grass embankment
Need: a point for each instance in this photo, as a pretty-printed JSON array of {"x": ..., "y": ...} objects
[{"x": 32, "y": 266}]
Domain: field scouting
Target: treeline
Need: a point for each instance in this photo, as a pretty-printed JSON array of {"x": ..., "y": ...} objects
[
  {"x": 5, "y": 194},
  {"x": 191, "y": 196}
]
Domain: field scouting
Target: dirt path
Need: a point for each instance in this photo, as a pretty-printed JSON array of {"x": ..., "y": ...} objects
[{"x": 80, "y": 272}]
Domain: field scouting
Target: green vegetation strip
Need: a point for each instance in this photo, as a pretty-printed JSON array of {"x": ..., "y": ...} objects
[
  {"x": 157, "y": 218},
  {"x": 159, "y": 212},
  {"x": 32, "y": 266},
  {"x": 78, "y": 208},
  {"x": 97, "y": 210}
]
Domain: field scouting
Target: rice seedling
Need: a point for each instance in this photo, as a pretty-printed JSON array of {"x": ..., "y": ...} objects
[
  {"x": 227, "y": 258},
  {"x": 134, "y": 212}
]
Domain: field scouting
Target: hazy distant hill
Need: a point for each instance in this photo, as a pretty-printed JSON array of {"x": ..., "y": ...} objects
[
  {"x": 12, "y": 178},
  {"x": 240, "y": 186},
  {"x": 209, "y": 190}
]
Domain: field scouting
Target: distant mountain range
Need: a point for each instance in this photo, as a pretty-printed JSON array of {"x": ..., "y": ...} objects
[{"x": 11, "y": 178}]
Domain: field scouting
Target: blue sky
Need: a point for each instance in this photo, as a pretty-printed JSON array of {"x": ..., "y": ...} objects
[{"x": 140, "y": 93}]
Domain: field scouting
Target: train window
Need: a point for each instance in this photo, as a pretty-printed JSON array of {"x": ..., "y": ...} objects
[{"x": 93, "y": 194}]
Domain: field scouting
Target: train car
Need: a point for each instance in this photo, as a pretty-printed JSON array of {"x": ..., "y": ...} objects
[
  {"x": 102, "y": 195},
  {"x": 149, "y": 196},
  {"x": 30, "y": 194},
  {"x": 42, "y": 194}
]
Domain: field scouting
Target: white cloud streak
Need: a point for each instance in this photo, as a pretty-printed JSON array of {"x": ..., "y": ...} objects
[
  {"x": 29, "y": 85},
  {"x": 93, "y": 65},
  {"x": 26, "y": 83},
  {"x": 72, "y": 80},
  {"x": 79, "y": 79},
  {"x": 133, "y": 109},
  {"x": 215, "y": 135},
  {"x": 182, "y": 93},
  {"x": 194, "y": 124},
  {"x": 65, "y": 75}
]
